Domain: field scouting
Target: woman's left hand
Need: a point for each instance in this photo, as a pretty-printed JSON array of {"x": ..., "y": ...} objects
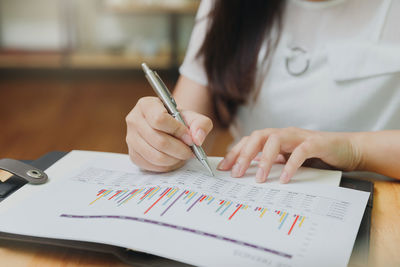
[{"x": 296, "y": 145}]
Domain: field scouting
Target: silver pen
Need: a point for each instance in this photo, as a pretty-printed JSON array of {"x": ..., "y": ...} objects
[{"x": 169, "y": 102}]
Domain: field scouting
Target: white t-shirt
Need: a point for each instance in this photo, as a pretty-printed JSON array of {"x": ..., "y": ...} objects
[{"x": 352, "y": 83}]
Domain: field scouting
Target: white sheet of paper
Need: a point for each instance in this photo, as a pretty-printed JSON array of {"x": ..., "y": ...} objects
[
  {"x": 303, "y": 177},
  {"x": 188, "y": 216}
]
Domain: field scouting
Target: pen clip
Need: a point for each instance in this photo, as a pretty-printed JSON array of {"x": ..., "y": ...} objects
[{"x": 165, "y": 88}]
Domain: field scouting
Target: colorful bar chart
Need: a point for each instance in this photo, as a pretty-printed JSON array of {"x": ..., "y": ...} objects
[
  {"x": 261, "y": 210},
  {"x": 296, "y": 220},
  {"x": 162, "y": 200}
]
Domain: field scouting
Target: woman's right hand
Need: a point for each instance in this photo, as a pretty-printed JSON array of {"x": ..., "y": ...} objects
[{"x": 156, "y": 141}]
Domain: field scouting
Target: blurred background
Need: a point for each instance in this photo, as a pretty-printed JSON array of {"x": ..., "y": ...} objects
[
  {"x": 70, "y": 69},
  {"x": 94, "y": 33}
]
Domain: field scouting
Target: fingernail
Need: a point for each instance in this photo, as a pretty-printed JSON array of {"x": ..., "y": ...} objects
[
  {"x": 221, "y": 165},
  {"x": 187, "y": 139},
  {"x": 260, "y": 175},
  {"x": 236, "y": 170},
  {"x": 284, "y": 177},
  {"x": 200, "y": 136}
]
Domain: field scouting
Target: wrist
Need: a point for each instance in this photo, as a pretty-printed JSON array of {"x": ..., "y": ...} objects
[{"x": 356, "y": 146}]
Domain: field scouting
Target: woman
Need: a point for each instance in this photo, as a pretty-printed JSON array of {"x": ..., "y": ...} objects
[{"x": 293, "y": 79}]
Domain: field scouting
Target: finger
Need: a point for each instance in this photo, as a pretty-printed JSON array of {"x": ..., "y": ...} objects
[
  {"x": 158, "y": 118},
  {"x": 165, "y": 143},
  {"x": 231, "y": 156},
  {"x": 248, "y": 152},
  {"x": 144, "y": 164},
  {"x": 199, "y": 125},
  {"x": 258, "y": 157},
  {"x": 307, "y": 149},
  {"x": 280, "y": 159},
  {"x": 269, "y": 155},
  {"x": 148, "y": 152}
]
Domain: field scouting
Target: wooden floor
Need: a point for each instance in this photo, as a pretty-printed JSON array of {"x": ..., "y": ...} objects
[{"x": 41, "y": 113}]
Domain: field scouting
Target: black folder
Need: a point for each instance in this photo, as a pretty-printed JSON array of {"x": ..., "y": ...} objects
[{"x": 358, "y": 257}]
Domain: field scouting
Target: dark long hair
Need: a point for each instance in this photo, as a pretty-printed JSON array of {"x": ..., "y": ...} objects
[{"x": 236, "y": 32}]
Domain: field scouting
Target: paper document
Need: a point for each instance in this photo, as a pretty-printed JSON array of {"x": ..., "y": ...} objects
[{"x": 189, "y": 216}]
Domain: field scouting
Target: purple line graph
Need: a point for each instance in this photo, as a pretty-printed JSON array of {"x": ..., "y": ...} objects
[{"x": 181, "y": 228}]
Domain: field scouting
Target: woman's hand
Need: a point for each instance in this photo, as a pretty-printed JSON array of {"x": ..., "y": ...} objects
[
  {"x": 156, "y": 141},
  {"x": 296, "y": 145}
]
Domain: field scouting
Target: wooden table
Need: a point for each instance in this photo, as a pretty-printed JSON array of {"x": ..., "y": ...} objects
[
  {"x": 384, "y": 244},
  {"x": 385, "y": 227}
]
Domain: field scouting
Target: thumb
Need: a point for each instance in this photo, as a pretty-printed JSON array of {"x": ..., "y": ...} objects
[{"x": 198, "y": 124}]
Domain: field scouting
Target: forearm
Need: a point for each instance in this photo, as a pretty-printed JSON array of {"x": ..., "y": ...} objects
[
  {"x": 379, "y": 152},
  {"x": 190, "y": 95}
]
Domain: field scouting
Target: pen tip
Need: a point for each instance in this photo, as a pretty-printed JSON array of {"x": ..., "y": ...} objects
[
  {"x": 209, "y": 169},
  {"x": 145, "y": 67}
]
